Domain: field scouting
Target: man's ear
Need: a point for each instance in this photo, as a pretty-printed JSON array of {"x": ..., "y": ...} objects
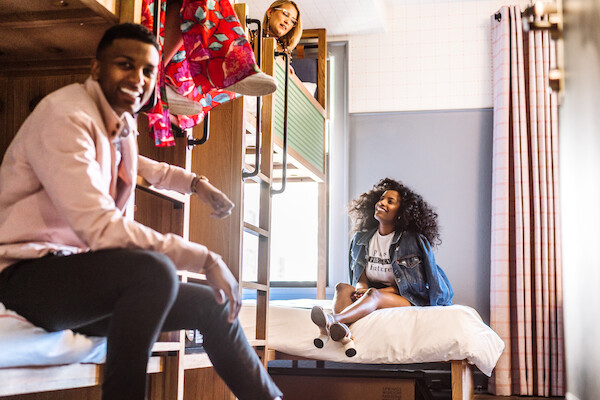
[{"x": 95, "y": 69}]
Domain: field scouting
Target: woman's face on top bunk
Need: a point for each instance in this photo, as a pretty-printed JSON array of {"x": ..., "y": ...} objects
[{"x": 280, "y": 23}]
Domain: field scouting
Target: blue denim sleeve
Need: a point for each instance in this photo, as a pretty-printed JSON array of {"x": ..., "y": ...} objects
[{"x": 440, "y": 290}]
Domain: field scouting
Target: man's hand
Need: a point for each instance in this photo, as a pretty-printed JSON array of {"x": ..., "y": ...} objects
[
  {"x": 220, "y": 204},
  {"x": 223, "y": 283}
]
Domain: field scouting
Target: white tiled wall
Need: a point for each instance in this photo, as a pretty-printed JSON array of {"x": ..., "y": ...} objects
[{"x": 435, "y": 55}]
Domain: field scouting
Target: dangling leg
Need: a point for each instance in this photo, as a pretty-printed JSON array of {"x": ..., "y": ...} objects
[
  {"x": 218, "y": 52},
  {"x": 173, "y": 38},
  {"x": 233, "y": 358}
]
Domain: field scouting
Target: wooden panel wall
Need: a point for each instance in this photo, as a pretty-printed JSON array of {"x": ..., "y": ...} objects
[
  {"x": 18, "y": 95},
  {"x": 205, "y": 384},
  {"x": 220, "y": 159}
]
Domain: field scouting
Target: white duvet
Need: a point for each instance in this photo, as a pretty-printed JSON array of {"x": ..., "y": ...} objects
[
  {"x": 24, "y": 344},
  {"x": 391, "y": 336},
  {"x": 401, "y": 335}
]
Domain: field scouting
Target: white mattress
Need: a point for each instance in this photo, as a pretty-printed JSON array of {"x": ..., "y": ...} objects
[
  {"x": 402, "y": 335},
  {"x": 23, "y": 344},
  {"x": 392, "y": 336}
]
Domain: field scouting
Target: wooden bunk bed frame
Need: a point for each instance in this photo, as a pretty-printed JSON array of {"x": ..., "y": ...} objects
[
  {"x": 461, "y": 374},
  {"x": 43, "y": 67}
]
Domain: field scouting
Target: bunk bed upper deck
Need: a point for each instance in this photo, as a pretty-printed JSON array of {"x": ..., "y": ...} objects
[{"x": 33, "y": 32}]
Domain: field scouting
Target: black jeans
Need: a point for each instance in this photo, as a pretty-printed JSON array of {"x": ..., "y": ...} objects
[{"x": 130, "y": 296}]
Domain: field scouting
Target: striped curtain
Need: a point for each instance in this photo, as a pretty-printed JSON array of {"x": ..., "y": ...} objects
[{"x": 526, "y": 279}]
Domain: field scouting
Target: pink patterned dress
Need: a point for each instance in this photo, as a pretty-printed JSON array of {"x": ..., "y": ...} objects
[{"x": 215, "y": 54}]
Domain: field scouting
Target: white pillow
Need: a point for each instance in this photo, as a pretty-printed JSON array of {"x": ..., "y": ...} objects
[{"x": 24, "y": 344}]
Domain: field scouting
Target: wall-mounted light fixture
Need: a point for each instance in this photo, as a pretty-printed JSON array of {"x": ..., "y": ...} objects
[{"x": 546, "y": 15}]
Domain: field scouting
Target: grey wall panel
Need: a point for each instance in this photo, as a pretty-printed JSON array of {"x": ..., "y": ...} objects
[{"x": 446, "y": 157}]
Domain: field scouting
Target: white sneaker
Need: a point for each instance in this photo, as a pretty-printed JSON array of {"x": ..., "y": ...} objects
[
  {"x": 259, "y": 84},
  {"x": 181, "y": 105}
]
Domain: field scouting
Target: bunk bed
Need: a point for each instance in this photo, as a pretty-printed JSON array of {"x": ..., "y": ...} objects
[
  {"x": 406, "y": 336},
  {"x": 235, "y": 136},
  {"x": 34, "y": 33}
]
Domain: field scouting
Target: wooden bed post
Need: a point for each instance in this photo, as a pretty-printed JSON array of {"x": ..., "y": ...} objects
[
  {"x": 462, "y": 381},
  {"x": 321, "y": 36},
  {"x": 130, "y": 11},
  {"x": 321, "y": 96}
]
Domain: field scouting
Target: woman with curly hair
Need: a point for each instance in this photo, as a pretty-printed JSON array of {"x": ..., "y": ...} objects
[{"x": 391, "y": 261}]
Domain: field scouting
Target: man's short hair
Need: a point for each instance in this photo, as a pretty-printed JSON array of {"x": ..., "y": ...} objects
[{"x": 126, "y": 31}]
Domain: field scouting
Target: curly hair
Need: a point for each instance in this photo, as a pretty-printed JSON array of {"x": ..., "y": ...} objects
[{"x": 415, "y": 214}]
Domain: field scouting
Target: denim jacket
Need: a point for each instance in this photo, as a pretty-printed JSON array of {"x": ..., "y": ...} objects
[{"x": 420, "y": 280}]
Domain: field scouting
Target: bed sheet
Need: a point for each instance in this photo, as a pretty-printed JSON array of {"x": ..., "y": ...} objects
[
  {"x": 24, "y": 344},
  {"x": 402, "y": 335}
]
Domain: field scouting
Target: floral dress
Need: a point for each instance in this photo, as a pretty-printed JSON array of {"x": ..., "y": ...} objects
[{"x": 215, "y": 54}]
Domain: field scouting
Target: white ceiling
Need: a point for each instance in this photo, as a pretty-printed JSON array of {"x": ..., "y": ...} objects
[{"x": 338, "y": 17}]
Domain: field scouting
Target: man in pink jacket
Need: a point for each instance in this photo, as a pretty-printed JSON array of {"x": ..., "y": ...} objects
[{"x": 70, "y": 259}]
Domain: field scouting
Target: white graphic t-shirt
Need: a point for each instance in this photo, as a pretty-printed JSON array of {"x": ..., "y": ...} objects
[{"x": 379, "y": 265}]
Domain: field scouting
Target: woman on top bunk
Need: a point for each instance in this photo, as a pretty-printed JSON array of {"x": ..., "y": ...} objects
[
  {"x": 391, "y": 261},
  {"x": 206, "y": 61},
  {"x": 282, "y": 21}
]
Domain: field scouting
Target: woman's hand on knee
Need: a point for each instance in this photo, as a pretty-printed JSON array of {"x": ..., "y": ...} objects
[
  {"x": 358, "y": 293},
  {"x": 224, "y": 284}
]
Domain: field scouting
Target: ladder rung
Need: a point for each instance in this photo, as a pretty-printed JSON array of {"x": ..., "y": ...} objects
[
  {"x": 257, "y": 342},
  {"x": 260, "y": 177},
  {"x": 187, "y": 276},
  {"x": 256, "y": 286},
  {"x": 166, "y": 346},
  {"x": 255, "y": 230}
]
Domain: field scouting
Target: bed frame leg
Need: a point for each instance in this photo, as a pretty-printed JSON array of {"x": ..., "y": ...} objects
[{"x": 462, "y": 381}]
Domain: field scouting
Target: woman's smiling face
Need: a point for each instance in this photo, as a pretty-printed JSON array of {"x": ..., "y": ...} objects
[
  {"x": 280, "y": 23},
  {"x": 388, "y": 207}
]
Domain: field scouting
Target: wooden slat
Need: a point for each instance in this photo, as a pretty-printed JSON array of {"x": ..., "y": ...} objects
[
  {"x": 255, "y": 230},
  {"x": 15, "y": 381},
  {"x": 197, "y": 360},
  {"x": 22, "y": 380},
  {"x": 261, "y": 287}
]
